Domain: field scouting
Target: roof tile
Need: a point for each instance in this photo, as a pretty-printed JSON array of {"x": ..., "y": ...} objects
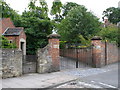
[{"x": 12, "y": 31}]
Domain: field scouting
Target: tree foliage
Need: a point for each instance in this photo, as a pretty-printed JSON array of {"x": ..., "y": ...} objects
[
  {"x": 78, "y": 22},
  {"x": 112, "y": 33},
  {"x": 68, "y": 6},
  {"x": 35, "y": 20},
  {"x": 56, "y": 10},
  {"x": 109, "y": 33},
  {"x": 5, "y": 43},
  {"x": 113, "y": 14},
  {"x": 86, "y": 42},
  {"x": 7, "y": 11},
  {"x": 37, "y": 26},
  {"x": 40, "y": 11}
]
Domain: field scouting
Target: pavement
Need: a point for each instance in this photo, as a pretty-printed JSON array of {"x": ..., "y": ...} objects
[
  {"x": 70, "y": 78},
  {"x": 35, "y": 80}
]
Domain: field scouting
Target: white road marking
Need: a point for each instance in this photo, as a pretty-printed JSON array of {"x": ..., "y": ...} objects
[
  {"x": 107, "y": 85},
  {"x": 93, "y": 81},
  {"x": 89, "y": 85}
]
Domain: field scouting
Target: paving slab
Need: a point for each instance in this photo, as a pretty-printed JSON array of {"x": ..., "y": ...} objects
[{"x": 37, "y": 80}]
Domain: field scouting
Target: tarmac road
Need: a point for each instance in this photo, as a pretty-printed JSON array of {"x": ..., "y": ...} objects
[{"x": 107, "y": 79}]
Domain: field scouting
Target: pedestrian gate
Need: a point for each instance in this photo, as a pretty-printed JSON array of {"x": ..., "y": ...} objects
[{"x": 29, "y": 64}]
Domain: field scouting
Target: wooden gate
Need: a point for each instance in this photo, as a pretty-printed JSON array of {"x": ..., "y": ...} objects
[
  {"x": 29, "y": 64},
  {"x": 75, "y": 57}
]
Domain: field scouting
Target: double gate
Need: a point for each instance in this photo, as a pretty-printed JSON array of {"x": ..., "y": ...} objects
[{"x": 71, "y": 58}]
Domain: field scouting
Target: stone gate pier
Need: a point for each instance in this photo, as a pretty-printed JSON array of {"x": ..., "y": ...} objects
[{"x": 48, "y": 57}]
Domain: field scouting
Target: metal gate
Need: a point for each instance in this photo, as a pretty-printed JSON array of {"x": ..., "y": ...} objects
[
  {"x": 75, "y": 57},
  {"x": 29, "y": 64}
]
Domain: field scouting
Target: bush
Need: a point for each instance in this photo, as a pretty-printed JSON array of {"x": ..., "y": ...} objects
[
  {"x": 4, "y": 43},
  {"x": 109, "y": 33}
]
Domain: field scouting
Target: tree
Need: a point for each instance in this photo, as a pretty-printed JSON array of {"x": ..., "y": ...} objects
[
  {"x": 7, "y": 11},
  {"x": 68, "y": 6},
  {"x": 59, "y": 11},
  {"x": 35, "y": 20},
  {"x": 113, "y": 33},
  {"x": 78, "y": 22},
  {"x": 109, "y": 33},
  {"x": 113, "y": 14},
  {"x": 40, "y": 11},
  {"x": 37, "y": 26},
  {"x": 56, "y": 10},
  {"x": 5, "y": 43},
  {"x": 86, "y": 42}
]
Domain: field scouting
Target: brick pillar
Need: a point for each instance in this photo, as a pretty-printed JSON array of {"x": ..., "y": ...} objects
[
  {"x": 54, "y": 51},
  {"x": 97, "y": 51}
]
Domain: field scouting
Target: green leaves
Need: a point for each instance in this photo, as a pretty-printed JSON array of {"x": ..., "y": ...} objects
[
  {"x": 86, "y": 42},
  {"x": 5, "y": 43},
  {"x": 36, "y": 23},
  {"x": 113, "y": 14},
  {"x": 56, "y": 10},
  {"x": 69, "y": 6},
  {"x": 7, "y": 11},
  {"x": 37, "y": 26},
  {"x": 78, "y": 22},
  {"x": 109, "y": 33},
  {"x": 40, "y": 11}
]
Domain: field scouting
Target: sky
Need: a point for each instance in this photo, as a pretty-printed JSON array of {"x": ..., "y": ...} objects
[{"x": 95, "y": 6}]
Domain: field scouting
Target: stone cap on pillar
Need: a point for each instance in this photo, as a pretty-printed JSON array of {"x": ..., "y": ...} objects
[
  {"x": 96, "y": 38},
  {"x": 53, "y": 36}
]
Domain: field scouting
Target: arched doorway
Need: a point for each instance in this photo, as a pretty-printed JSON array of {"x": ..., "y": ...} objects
[{"x": 22, "y": 45}]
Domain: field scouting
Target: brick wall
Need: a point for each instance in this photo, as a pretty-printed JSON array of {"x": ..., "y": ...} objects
[
  {"x": 97, "y": 49},
  {"x": 101, "y": 54},
  {"x": 22, "y": 35},
  {"x": 11, "y": 63},
  {"x": 112, "y": 53},
  {"x": 54, "y": 51},
  {"x": 16, "y": 39},
  {"x": 109, "y": 53},
  {"x": 104, "y": 52},
  {"x": 5, "y": 23},
  {"x": 119, "y": 54}
]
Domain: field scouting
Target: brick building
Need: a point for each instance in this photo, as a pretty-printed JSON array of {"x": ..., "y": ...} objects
[{"x": 13, "y": 34}]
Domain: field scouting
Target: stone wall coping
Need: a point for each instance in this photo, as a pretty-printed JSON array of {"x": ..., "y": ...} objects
[
  {"x": 10, "y": 49},
  {"x": 96, "y": 38},
  {"x": 57, "y": 36}
]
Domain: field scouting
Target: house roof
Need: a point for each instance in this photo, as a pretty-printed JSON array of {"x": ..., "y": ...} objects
[
  {"x": 5, "y": 23},
  {"x": 12, "y": 32}
]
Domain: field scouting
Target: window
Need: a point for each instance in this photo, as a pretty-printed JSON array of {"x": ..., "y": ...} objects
[{"x": 10, "y": 41}]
